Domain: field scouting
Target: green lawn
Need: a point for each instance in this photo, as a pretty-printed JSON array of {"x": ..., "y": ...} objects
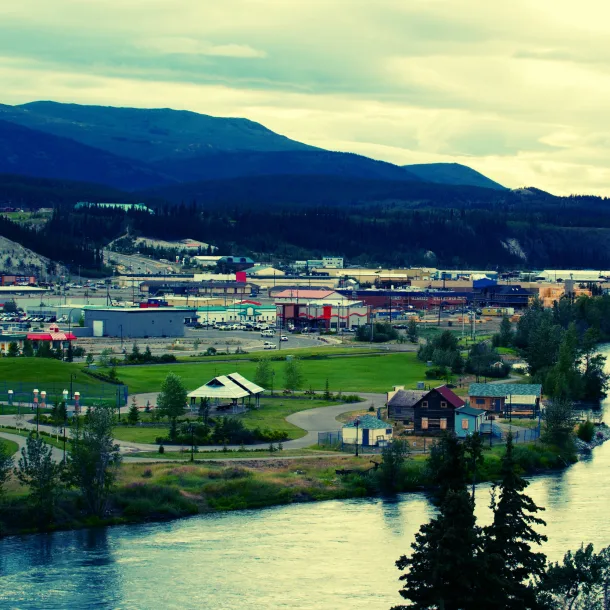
[
  {"x": 50, "y": 440},
  {"x": 359, "y": 373},
  {"x": 135, "y": 434},
  {"x": 348, "y": 374},
  {"x": 10, "y": 446}
]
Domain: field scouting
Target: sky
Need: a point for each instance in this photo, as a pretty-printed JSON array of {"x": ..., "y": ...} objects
[{"x": 518, "y": 90}]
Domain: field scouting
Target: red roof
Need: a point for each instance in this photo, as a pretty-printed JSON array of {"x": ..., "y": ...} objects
[
  {"x": 249, "y": 302},
  {"x": 51, "y": 336},
  {"x": 304, "y": 294},
  {"x": 450, "y": 396}
]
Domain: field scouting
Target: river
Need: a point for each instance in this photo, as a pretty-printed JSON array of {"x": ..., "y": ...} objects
[{"x": 305, "y": 556}]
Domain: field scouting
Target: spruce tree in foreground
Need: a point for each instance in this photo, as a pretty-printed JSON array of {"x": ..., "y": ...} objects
[
  {"x": 512, "y": 565},
  {"x": 444, "y": 566}
]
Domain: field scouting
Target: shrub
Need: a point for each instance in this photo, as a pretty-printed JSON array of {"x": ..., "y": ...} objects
[
  {"x": 161, "y": 449},
  {"x": 586, "y": 431},
  {"x": 147, "y": 474}
]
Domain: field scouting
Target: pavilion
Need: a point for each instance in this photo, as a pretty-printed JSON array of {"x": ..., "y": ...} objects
[{"x": 228, "y": 389}]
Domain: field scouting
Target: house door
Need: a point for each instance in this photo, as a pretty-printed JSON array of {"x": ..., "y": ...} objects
[
  {"x": 365, "y": 436},
  {"x": 498, "y": 404}
]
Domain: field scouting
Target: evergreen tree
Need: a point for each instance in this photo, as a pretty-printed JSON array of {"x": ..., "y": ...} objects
[
  {"x": 171, "y": 402},
  {"x": 512, "y": 564},
  {"x": 393, "y": 455},
  {"x": 444, "y": 568},
  {"x": 13, "y": 350},
  {"x": 133, "y": 415}
]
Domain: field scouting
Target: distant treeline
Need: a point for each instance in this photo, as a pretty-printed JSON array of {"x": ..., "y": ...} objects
[{"x": 367, "y": 222}]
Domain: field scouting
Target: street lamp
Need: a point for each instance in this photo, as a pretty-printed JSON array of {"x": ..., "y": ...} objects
[
  {"x": 35, "y": 392},
  {"x": 65, "y": 410},
  {"x": 272, "y": 380},
  {"x": 10, "y": 401},
  {"x": 357, "y": 423}
]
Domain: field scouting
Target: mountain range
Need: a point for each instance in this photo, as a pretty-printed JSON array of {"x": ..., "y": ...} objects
[{"x": 134, "y": 149}]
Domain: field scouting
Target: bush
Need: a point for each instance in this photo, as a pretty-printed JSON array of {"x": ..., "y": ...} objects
[
  {"x": 437, "y": 372},
  {"x": 147, "y": 474},
  {"x": 586, "y": 431},
  {"x": 161, "y": 449}
]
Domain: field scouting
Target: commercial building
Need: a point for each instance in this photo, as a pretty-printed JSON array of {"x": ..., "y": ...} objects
[
  {"x": 135, "y": 322},
  {"x": 239, "y": 313},
  {"x": 409, "y": 299},
  {"x": 17, "y": 280}
]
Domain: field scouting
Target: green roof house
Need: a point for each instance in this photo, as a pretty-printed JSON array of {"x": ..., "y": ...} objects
[{"x": 504, "y": 397}]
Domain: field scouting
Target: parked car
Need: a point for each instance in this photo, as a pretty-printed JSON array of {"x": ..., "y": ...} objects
[{"x": 269, "y": 345}]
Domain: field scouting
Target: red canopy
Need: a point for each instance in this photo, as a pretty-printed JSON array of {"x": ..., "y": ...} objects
[{"x": 51, "y": 336}]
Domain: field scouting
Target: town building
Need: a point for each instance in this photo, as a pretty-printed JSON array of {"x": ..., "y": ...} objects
[
  {"x": 332, "y": 262},
  {"x": 17, "y": 280},
  {"x": 251, "y": 312},
  {"x": 7, "y": 338},
  {"x": 264, "y": 271},
  {"x": 434, "y": 412},
  {"x": 370, "y": 432},
  {"x": 54, "y": 337},
  {"x": 468, "y": 421},
  {"x": 506, "y": 398},
  {"x": 136, "y": 322}
]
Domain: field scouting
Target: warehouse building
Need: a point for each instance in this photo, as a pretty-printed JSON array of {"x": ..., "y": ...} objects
[{"x": 136, "y": 322}]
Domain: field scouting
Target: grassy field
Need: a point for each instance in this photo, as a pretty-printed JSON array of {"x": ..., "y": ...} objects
[
  {"x": 355, "y": 373},
  {"x": 50, "y": 440},
  {"x": 10, "y": 446},
  {"x": 349, "y": 374}
]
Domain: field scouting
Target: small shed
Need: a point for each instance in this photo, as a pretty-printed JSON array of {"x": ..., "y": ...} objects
[
  {"x": 228, "y": 389},
  {"x": 468, "y": 421},
  {"x": 369, "y": 432}
]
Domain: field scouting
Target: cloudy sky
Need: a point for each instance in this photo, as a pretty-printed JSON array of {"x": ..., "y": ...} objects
[{"x": 518, "y": 90}]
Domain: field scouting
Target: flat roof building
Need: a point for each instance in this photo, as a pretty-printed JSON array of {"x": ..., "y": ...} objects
[{"x": 136, "y": 322}]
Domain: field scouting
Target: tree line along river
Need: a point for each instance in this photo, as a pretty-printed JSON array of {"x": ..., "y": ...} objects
[{"x": 305, "y": 556}]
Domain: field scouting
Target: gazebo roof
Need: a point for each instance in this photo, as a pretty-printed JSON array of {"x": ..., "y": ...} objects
[{"x": 231, "y": 386}]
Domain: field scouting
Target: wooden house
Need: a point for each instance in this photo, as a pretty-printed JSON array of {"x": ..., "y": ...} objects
[
  {"x": 435, "y": 411},
  {"x": 401, "y": 404}
]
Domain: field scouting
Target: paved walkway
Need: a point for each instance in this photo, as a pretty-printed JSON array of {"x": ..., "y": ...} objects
[{"x": 57, "y": 454}]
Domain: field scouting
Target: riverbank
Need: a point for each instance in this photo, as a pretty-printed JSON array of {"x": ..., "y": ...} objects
[{"x": 166, "y": 491}]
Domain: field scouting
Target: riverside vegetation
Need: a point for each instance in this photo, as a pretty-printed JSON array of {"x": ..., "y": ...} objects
[{"x": 94, "y": 488}]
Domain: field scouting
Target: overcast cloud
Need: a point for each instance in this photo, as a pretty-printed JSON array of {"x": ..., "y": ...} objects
[{"x": 519, "y": 91}]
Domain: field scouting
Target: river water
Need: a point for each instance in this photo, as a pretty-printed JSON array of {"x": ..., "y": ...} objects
[{"x": 307, "y": 556}]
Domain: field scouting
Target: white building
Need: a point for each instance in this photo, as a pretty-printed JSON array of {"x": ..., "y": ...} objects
[{"x": 332, "y": 262}]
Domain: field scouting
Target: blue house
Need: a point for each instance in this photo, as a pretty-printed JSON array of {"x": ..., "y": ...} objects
[{"x": 468, "y": 421}]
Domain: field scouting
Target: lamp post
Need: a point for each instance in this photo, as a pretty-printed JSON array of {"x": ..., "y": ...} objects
[
  {"x": 357, "y": 423},
  {"x": 10, "y": 401},
  {"x": 35, "y": 392},
  {"x": 272, "y": 380},
  {"x": 65, "y": 410},
  {"x": 69, "y": 329}
]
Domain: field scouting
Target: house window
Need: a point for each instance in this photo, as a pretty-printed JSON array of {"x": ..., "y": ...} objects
[
  {"x": 424, "y": 405},
  {"x": 464, "y": 424},
  {"x": 424, "y": 423},
  {"x": 480, "y": 401},
  {"x": 443, "y": 423},
  {"x": 443, "y": 405},
  {"x": 388, "y": 431}
]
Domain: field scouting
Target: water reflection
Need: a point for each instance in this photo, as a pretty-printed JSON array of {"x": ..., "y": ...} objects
[{"x": 321, "y": 556}]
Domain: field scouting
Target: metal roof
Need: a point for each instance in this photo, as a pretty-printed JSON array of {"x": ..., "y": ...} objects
[
  {"x": 232, "y": 386},
  {"x": 305, "y": 294},
  {"x": 450, "y": 396},
  {"x": 502, "y": 390},
  {"x": 369, "y": 422},
  {"x": 466, "y": 410},
  {"x": 406, "y": 398}
]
